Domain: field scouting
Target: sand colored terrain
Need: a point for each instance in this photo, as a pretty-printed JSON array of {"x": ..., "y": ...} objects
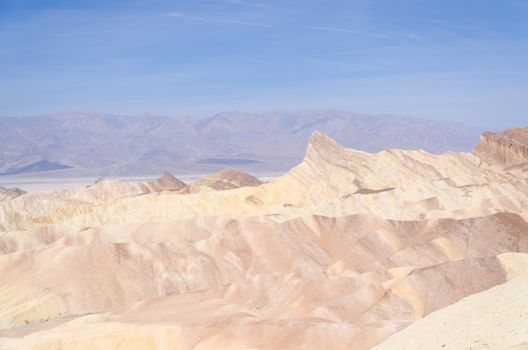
[
  {"x": 341, "y": 252},
  {"x": 226, "y": 179},
  {"x": 10, "y": 193},
  {"x": 331, "y": 180},
  {"x": 102, "y": 191},
  {"x": 494, "y": 319}
]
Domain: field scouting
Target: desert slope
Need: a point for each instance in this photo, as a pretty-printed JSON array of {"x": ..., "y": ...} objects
[
  {"x": 332, "y": 181},
  {"x": 494, "y": 319},
  {"x": 341, "y": 252}
]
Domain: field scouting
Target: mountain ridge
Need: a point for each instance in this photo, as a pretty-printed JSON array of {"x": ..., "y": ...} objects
[
  {"x": 342, "y": 251},
  {"x": 111, "y": 145}
]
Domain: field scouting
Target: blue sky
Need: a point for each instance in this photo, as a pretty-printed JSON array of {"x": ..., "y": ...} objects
[{"x": 442, "y": 59}]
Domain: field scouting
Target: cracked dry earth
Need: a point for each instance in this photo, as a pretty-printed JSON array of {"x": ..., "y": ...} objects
[{"x": 348, "y": 250}]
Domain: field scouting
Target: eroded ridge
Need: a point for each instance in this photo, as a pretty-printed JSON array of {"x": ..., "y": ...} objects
[{"x": 341, "y": 252}]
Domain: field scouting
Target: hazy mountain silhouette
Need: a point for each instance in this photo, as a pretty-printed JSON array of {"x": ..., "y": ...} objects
[{"x": 102, "y": 144}]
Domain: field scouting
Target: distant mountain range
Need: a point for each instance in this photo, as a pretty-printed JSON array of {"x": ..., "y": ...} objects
[{"x": 84, "y": 144}]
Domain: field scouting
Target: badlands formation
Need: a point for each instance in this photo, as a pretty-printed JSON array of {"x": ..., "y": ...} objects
[
  {"x": 227, "y": 179},
  {"x": 348, "y": 250},
  {"x": 509, "y": 147},
  {"x": 9, "y": 193}
]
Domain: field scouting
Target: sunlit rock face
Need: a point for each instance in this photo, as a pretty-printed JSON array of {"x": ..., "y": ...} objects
[
  {"x": 494, "y": 319},
  {"x": 226, "y": 179},
  {"x": 341, "y": 252},
  {"x": 508, "y": 148}
]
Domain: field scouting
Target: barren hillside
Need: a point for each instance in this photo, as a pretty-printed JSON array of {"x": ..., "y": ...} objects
[{"x": 342, "y": 251}]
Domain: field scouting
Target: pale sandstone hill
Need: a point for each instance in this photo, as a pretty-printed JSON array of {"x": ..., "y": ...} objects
[
  {"x": 166, "y": 182},
  {"x": 10, "y": 193},
  {"x": 494, "y": 319},
  {"x": 105, "y": 189},
  {"x": 226, "y": 179},
  {"x": 331, "y": 180},
  {"x": 341, "y": 252},
  {"x": 507, "y": 148},
  {"x": 32, "y": 205}
]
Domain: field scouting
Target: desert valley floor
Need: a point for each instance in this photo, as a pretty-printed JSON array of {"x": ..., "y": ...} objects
[{"x": 347, "y": 250}]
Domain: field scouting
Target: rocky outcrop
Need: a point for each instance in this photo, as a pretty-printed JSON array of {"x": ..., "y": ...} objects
[
  {"x": 38, "y": 204},
  {"x": 166, "y": 182},
  {"x": 104, "y": 189},
  {"x": 9, "y": 193},
  {"x": 506, "y": 148},
  {"x": 226, "y": 179}
]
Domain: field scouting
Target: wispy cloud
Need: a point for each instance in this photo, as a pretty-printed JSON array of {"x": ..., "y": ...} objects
[
  {"x": 219, "y": 20},
  {"x": 247, "y": 3},
  {"x": 341, "y": 66},
  {"x": 349, "y": 31},
  {"x": 377, "y": 35}
]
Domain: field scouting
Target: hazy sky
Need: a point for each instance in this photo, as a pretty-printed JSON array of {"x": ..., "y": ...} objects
[{"x": 444, "y": 59}]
